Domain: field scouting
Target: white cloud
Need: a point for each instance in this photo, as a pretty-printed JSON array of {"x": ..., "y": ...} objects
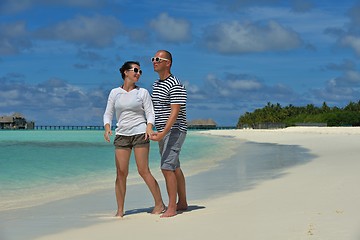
[
  {"x": 353, "y": 76},
  {"x": 52, "y": 100},
  {"x": 236, "y": 37},
  {"x": 342, "y": 89},
  {"x": 334, "y": 92},
  {"x": 242, "y": 87},
  {"x": 95, "y": 31},
  {"x": 13, "y": 38},
  {"x": 352, "y": 42},
  {"x": 170, "y": 29},
  {"x": 245, "y": 85},
  {"x": 9, "y": 95},
  {"x": 350, "y": 78}
]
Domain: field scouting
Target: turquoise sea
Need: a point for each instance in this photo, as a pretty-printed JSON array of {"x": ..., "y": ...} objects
[
  {"x": 54, "y": 180},
  {"x": 39, "y": 166}
]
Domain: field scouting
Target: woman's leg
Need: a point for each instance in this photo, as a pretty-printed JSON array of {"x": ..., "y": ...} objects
[
  {"x": 142, "y": 163},
  {"x": 122, "y": 157}
]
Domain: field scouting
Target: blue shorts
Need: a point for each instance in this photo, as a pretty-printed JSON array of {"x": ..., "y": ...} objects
[{"x": 170, "y": 147}]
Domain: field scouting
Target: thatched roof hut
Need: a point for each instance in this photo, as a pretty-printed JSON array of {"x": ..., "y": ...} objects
[
  {"x": 6, "y": 119},
  {"x": 15, "y": 121},
  {"x": 202, "y": 123}
]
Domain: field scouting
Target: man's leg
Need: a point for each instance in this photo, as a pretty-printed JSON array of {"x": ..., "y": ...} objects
[
  {"x": 181, "y": 190},
  {"x": 171, "y": 187}
]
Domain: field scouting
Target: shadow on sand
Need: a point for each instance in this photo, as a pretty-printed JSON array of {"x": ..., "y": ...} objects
[{"x": 149, "y": 210}]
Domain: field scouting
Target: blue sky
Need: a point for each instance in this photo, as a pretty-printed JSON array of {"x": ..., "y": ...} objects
[{"x": 59, "y": 59}]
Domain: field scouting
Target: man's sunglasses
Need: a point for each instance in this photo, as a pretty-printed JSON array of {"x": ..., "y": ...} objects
[
  {"x": 158, "y": 59},
  {"x": 136, "y": 70}
]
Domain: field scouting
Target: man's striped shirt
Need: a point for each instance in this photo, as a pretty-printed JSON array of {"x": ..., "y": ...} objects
[{"x": 167, "y": 92}]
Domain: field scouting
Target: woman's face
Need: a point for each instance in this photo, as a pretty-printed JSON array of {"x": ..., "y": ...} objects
[{"x": 133, "y": 74}]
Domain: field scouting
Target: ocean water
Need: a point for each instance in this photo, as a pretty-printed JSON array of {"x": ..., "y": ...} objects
[
  {"x": 51, "y": 181},
  {"x": 44, "y": 165}
]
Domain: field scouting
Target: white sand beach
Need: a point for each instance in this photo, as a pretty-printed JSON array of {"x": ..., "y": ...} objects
[{"x": 316, "y": 200}]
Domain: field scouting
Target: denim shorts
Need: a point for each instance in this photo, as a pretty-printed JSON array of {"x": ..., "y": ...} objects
[
  {"x": 170, "y": 147},
  {"x": 137, "y": 140}
]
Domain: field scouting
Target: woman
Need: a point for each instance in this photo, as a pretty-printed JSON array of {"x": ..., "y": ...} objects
[{"x": 135, "y": 118}]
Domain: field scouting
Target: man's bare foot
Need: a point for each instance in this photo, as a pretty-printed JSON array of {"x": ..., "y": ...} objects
[
  {"x": 168, "y": 213},
  {"x": 119, "y": 214},
  {"x": 159, "y": 209},
  {"x": 181, "y": 206}
]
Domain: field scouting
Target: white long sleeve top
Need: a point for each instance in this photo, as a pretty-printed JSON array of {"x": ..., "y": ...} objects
[{"x": 133, "y": 110}]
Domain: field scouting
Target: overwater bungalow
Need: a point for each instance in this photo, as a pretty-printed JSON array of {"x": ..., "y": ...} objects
[
  {"x": 202, "y": 124},
  {"x": 15, "y": 121}
]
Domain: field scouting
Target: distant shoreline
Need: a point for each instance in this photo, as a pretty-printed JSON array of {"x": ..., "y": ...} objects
[{"x": 75, "y": 127}]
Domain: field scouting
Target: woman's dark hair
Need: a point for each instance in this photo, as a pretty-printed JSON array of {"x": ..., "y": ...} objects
[{"x": 126, "y": 66}]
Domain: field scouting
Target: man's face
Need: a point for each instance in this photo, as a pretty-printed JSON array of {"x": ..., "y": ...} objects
[{"x": 159, "y": 62}]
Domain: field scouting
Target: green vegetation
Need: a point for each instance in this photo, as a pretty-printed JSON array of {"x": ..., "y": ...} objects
[{"x": 291, "y": 115}]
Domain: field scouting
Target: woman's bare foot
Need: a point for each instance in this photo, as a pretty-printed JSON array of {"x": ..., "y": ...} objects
[
  {"x": 168, "y": 213},
  {"x": 159, "y": 209}
]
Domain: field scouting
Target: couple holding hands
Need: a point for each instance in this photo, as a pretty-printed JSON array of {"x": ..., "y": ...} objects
[{"x": 136, "y": 113}]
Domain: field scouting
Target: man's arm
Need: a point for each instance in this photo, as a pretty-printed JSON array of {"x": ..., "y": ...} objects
[{"x": 175, "y": 109}]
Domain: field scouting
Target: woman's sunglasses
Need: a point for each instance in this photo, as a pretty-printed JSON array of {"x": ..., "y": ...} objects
[
  {"x": 158, "y": 59},
  {"x": 136, "y": 70}
]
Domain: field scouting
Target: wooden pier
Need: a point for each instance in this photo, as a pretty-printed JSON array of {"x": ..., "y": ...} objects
[
  {"x": 69, "y": 128},
  {"x": 48, "y": 127}
]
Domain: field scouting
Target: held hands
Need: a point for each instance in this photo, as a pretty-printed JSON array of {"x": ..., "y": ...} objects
[{"x": 157, "y": 136}]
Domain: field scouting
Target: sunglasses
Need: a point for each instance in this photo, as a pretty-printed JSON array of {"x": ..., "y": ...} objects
[
  {"x": 158, "y": 59},
  {"x": 136, "y": 70}
]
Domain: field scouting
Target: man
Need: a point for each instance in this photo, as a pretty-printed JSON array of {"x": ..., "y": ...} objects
[{"x": 169, "y": 100}]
